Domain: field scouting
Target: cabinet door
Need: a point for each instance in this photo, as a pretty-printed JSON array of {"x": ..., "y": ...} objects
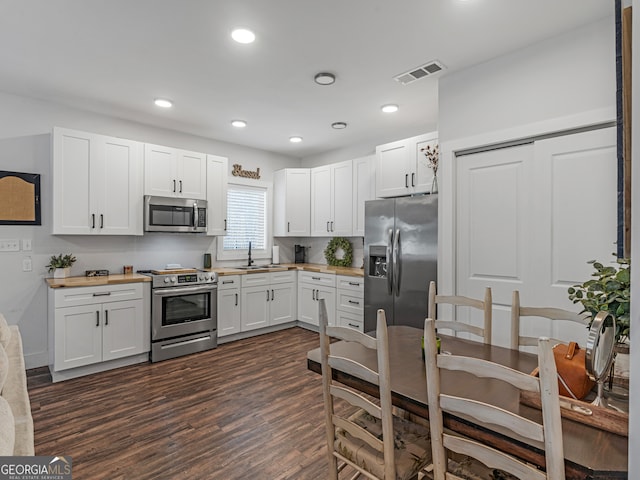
[
  {"x": 342, "y": 199},
  {"x": 392, "y": 173},
  {"x": 307, "y": 305},
  {"x": 72, "y": 155},
  {"x": 298, "y": 202},
  {"x": 119, "y": 186},
  {"x": 255, "y": 307},
  {"x": 321, "y": 201},
  {"x": 423, "y": 179},
  {"x": 329, "y": 295},
  {"x": 122, "y": 329},
  {"x": 282, "y": 303},
  {"x": 160, "y": 171},
  {"x": 364, "y": 188},
  {"x": 78, "y": 336},
  {"x": 228, "y": 311},
  {"x": 217, "y": 178},
  {"x": 192, "y": 175}
]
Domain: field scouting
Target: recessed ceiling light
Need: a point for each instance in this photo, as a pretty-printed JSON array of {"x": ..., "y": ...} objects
[
  {"x": 163, "y": 102},
  {"x": 324, "y": 78},
  {"x": 295, "y": 139},
  {"x": 239, "y": 123},
  {"x": 338, "y": 125},
  {"x": 389, "y": 108},
  {"x": 242, "y": 35}
]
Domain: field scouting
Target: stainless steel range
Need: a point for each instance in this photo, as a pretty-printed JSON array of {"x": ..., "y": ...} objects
[{"x": 183, "y": 312}]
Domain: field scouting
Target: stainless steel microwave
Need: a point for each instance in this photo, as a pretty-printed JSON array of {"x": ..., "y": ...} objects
[{"x": 167, "y": 214}]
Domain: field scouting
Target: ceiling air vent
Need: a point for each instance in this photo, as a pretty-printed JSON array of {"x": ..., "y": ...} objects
[{"x": 419, "y": 72}]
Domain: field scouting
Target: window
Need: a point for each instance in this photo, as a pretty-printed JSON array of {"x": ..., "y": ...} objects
[{"x": 247, "y": 221}]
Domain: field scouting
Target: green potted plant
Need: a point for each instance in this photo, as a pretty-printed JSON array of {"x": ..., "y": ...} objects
[
  {"x": 609, "y": 290},
  {"x": 60, "y": 265}
]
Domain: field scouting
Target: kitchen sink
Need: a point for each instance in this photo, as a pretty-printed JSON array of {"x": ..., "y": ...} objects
[{"x": 258, "y": 267}]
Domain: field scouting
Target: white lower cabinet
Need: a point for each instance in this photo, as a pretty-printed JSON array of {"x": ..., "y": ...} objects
[
  {"x": 268, "y": 299},
  {"x": 350, "y": 302},
  {"x": 228, "y": 305},
  {"x": 98, "y": 324},
  {"x": 311, "y": 288}
]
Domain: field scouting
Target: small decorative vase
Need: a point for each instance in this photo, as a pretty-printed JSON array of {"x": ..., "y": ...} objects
[
  {"x": 61, "y": 272},
  {"x": 434, "y": 184}
]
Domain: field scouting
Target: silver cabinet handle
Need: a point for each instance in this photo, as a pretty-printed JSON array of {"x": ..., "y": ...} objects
[{"x": 97, "y": 318}]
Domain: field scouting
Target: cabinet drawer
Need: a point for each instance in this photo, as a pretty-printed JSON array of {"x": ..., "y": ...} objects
[
  {"x": 317, "y": 278},
  {"x": 350, "y": 303},
  {"x": 255, "y": 279},
  {"x": 228, "y": 281},
  {"x": 283, "y": 277},
  {"x": 344, "y": 319},
  {"x": 71, "y": 297},
  {"x": 350, "y": 283}
]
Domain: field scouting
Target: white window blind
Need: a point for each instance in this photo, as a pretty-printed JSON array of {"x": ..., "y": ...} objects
[{"x": 246, "y": 218}]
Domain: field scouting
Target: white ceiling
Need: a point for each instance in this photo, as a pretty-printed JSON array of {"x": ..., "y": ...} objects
[{"x": 116, "y": 56}]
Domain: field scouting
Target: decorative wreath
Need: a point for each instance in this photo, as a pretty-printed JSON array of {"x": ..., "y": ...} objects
[{"x": 335, "y": 244}]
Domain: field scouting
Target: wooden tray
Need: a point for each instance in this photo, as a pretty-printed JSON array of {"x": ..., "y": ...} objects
[
  {"x": 174, "y": 271},
  {"x": 584, "y": 412}
]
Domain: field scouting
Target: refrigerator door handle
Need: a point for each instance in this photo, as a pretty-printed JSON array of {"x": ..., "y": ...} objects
[
  {"x": 396, "y": 262},
  {"x": 390, "y": 268}
]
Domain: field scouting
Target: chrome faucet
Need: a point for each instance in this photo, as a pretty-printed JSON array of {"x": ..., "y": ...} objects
[{"x": 250, "y": 262}]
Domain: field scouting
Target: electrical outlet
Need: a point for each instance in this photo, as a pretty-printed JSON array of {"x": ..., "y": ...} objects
[
  {"x": 12, "y": 245},
  {"x": 27, "y": 266}
]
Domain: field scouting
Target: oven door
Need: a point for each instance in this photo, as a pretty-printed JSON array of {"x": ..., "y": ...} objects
[{"x": 177, "y": 311}]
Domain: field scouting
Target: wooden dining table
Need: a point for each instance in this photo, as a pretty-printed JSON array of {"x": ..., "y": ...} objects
[{"x": 590, "y": 453}]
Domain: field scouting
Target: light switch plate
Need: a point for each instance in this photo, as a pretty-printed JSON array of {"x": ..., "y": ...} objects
[{"x": 11, "y": 245}]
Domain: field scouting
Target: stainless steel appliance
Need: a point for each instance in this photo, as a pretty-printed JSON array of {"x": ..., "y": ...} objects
[
  {"x": 401, "y": 254},
  {"x": 300, "y": 254},
  {"x": 183, "y": 312},
  {"x": 167, "y": 214}
]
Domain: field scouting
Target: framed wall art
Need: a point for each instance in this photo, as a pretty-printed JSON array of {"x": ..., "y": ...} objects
[{"x": 19, "y": 198}]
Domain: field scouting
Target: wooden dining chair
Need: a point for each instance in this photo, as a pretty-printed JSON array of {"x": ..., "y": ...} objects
[
  {"x": 475, "y": 459},
  {"x": 484, "y": 305},
  {"x": 375, "y": 443},
  {"x": 518, "y": 311}
]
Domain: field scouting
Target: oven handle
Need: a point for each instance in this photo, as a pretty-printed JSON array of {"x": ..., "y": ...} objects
[{"x": 165, "y": 292}]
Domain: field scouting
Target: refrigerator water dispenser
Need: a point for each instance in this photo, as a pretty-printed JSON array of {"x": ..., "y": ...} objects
[{"x": 378, "y": 261}]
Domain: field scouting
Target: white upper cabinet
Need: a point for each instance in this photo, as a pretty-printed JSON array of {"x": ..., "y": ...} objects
[
  {"x": 171, "y": 172},
  {"x": 291, "y": 202},
  {"x": 364, "y": 188},
  {"x": 217, "y": 168},
  {"x": 402, "y": 169},
  {"x": 332, "y": 200},
  {"x": 97, "y": 184}
]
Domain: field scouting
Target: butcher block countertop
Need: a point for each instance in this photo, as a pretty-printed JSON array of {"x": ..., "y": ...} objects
[
  {"x": 306, "y": 267},
  {"x": 97, "y": 281}
]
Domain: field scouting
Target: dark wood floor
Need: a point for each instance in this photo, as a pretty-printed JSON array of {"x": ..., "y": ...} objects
[{"x": 246, "y": 410}]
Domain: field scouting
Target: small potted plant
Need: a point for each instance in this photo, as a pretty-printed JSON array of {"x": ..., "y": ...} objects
[
  {"x": 60, "y": 265},
  {"x": 609, "y": 290}
]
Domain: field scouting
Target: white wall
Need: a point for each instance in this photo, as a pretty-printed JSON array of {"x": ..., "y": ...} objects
[
  {"x": 25, "y": 126},
  {"x": 561, "y": 76}
]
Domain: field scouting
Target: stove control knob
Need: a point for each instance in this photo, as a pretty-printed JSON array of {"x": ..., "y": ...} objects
[
  {"x": 208, "y": 276},
  {"x": 166, "y": 280},
  {"x": 202, "y": 277},
  {"x": 173, "y": 279}
]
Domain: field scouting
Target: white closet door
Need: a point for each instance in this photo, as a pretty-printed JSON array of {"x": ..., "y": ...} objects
[{"x": 529, "y": 218}]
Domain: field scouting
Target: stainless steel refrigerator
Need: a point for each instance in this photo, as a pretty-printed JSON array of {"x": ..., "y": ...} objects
[{"x": 401, "y": 255}]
